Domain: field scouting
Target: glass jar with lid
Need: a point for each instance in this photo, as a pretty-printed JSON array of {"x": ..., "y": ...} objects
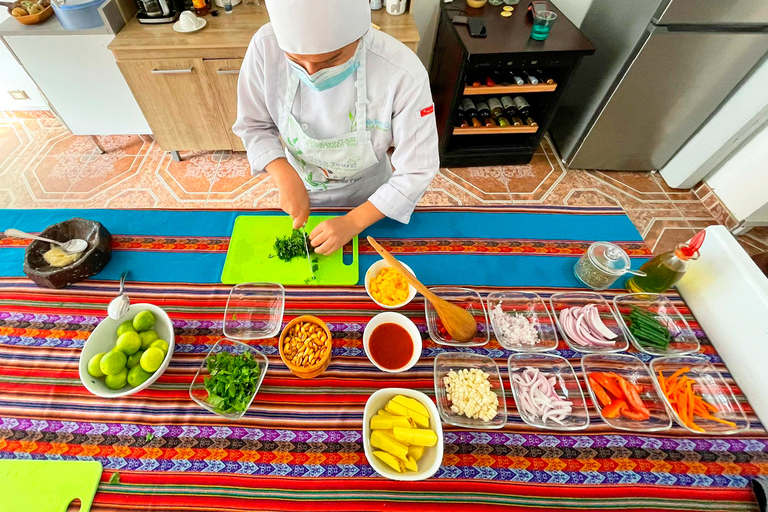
[{"x": 601, "y": 265}]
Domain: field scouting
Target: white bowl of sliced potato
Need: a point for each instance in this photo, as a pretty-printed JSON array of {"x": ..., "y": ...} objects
[{"x": 402, "y": 434}]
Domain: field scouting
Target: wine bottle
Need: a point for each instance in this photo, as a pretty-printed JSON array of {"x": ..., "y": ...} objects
[
  {"x": 522, "y": 106},
  {"x": 531, "y": 79},
  {"x": 489, "y": 81},
  {"x": 485, "y": 114},
  {"x": 504, "y": 78},
  {"x": 544, "y": 78},
  {"x": 497, "y": 112},
  {"x": 516, "y": 121},
  {"x": 516, "y": 78},
  {"x": 461, "y": 119},
  {"x": 509, "y": 106},
  {"x": 530, "y": 122},
  {"x": 471, "y": 112}
]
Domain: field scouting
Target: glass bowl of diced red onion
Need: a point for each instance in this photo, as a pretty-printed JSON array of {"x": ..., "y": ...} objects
[{"x": 521, "y": 321}]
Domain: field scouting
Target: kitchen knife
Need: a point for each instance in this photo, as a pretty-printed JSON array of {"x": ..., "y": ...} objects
[{"x": 306, "y": 249}]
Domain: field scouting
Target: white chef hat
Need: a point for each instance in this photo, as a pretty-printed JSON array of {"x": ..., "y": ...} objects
[{"x": 310, "y": 26}]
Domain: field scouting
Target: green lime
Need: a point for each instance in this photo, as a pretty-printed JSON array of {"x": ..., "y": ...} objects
[
  {"x": 117, "y": 380},
  {"x": 161, "y": 344},
  {"x": 147, "y": 337},
  {"x": 93, "y": 365},
  {"x": 113, "y": 362},
  {"x": 137, "y": 376},
  {"x": 133, "y": 359},
  {"x": 151, "y": 359},
  {"x": 128, "y": 342},
  {"x": 143, "y": 321},
  {"x": 126, "y": 326}
]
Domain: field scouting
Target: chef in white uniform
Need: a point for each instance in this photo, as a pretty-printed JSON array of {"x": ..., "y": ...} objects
[{"x": 338, "y": 93}]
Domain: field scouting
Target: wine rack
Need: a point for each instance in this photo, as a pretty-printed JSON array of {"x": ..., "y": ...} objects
[{"x": 496, "y": 66}]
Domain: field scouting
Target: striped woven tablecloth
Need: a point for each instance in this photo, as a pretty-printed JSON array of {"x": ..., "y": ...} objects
[{"x": 300, "y": 445}]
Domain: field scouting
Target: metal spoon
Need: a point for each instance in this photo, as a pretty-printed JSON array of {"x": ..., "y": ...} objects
[
  {"x": 638, "y": 273},
  {"x": 118, "y": 307},
  {"x": 72, "y": 246}
]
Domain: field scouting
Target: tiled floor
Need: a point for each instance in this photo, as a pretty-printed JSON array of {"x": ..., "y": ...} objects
[{"x": 42, "y": 165}]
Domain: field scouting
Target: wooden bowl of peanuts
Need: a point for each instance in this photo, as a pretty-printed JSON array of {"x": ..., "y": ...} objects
[{"x": 305, "y": 346}]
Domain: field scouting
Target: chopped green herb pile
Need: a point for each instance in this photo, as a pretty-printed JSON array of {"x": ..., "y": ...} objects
[
  {"x": 232, "y": 381},
  {"x": 647, "y": 330},
  {"x": 289, "y": 247}
]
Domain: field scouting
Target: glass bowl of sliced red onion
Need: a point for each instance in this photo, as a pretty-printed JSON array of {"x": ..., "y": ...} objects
[
  {"x": 588, "y": 323},
  {"x": 547, "y": 392},
  {"x": 522, "y": 321}
]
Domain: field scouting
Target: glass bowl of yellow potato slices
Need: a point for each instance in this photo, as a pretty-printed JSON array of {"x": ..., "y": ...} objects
[{"x": 402, "y": 434}]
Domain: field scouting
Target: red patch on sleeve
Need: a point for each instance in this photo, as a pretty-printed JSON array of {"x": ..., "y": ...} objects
[{"x": 426, "y": 111}]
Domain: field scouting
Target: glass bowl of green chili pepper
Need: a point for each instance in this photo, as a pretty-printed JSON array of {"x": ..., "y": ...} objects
[
  {"x": 654, "y": 325},
  {"x": 229, "y": 378}
]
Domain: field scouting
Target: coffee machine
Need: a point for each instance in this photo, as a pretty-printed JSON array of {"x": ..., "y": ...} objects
[{"x": 158, "y": 11}]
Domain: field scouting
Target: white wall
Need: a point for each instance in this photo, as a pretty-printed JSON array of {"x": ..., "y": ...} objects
[
  {"x": 575, "y": 10},
  {"x": 425, "y": 12},
  {"x": 742, "y": 181},
  {"x": 14, "y": 78}
]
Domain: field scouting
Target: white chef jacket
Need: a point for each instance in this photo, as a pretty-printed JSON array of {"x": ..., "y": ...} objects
[{"x": 400, "y": 111}]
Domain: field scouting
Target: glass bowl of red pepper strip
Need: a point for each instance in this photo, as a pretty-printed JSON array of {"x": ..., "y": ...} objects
[
  {"x": 466, "y": 298},
  {"x": 624, "y": 393},
  {"x": 654, "y": 325},
  {"x": 698, "y": 397}
]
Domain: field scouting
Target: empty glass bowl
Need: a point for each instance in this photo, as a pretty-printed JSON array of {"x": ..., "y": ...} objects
[
  {"x": 566, "y": 386},
  {"x": 463, "y": 297},
  {"x": 683, "y": 341},
  {"x": 197, "y": 390},
  {"x": 711, "y": 386},
  {"x": 254, "y": 311},
  {"x": 447, "y": 361},
  {"x": 533, "y": 308},
  {"x": 635, "y": 372},
  {"x": 561, "y": 301}
]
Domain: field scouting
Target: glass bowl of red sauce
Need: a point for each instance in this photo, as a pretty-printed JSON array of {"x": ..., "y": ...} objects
[{"x": 392, "y": 342}]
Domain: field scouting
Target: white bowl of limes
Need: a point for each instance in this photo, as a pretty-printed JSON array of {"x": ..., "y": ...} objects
[{"x": 124, "y": 356}]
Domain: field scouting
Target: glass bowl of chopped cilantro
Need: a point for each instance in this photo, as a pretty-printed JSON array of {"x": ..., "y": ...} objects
[{"x": 229, "y": 378}]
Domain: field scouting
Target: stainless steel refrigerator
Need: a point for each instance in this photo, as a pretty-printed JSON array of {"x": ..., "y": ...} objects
[{"x": 661, "y": 68}]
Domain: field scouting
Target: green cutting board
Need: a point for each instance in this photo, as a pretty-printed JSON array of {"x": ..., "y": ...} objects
[
  {"x": 252, "y": 244},
  {"x": 47, "y": 485}
]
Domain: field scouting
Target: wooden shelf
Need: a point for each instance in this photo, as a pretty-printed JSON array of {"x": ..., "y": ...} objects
[
  {"x": 495, "y": 130},
  {"x": 508, "y": 89}
]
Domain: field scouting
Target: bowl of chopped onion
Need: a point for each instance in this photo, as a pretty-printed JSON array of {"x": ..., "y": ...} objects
[{"x": 522, "y": 321}]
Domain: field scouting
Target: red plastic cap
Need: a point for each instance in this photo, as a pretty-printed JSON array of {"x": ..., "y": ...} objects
[{"x": 693, "y": 245}]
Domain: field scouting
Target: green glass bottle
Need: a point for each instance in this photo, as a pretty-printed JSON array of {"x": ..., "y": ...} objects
[{"x": 666, "y": 269}]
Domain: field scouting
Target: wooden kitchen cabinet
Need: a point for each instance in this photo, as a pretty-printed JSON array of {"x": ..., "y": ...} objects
[
  {"x": 186, "y": 83},
  {"x": 222, "y": 75},
  {"x": 176, "y": 98}
]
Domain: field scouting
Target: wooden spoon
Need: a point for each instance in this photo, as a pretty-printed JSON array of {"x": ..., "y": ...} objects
[{"x": 459, "y": 322}]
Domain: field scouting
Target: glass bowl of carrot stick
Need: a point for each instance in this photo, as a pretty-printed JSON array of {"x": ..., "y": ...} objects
[{"x": 698, "y": 396}]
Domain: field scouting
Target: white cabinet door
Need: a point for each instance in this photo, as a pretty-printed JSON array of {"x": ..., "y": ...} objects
[{"x": 80, "y": 78}]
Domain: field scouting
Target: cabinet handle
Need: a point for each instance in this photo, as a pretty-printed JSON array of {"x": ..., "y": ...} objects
[
  {"x": 172, "y": 71},
  {"x": 227, "y": 71}
]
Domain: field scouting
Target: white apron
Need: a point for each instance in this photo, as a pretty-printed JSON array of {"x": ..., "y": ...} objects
[{"x": 341, "y": 171}]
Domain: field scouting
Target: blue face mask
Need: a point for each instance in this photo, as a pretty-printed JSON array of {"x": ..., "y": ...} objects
[{"x": 325, "y": 78}]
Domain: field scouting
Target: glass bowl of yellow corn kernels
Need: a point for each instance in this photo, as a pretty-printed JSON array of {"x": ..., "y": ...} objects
[{"x": 387, "y": 287}]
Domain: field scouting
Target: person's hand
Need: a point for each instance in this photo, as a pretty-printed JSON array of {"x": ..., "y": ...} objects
[
  {"x": 292, "y": 195},
  {"x": 331, "y": 235}
]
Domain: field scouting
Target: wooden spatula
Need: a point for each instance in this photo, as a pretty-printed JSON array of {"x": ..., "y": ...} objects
[{"x": 459, "y": 322}]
